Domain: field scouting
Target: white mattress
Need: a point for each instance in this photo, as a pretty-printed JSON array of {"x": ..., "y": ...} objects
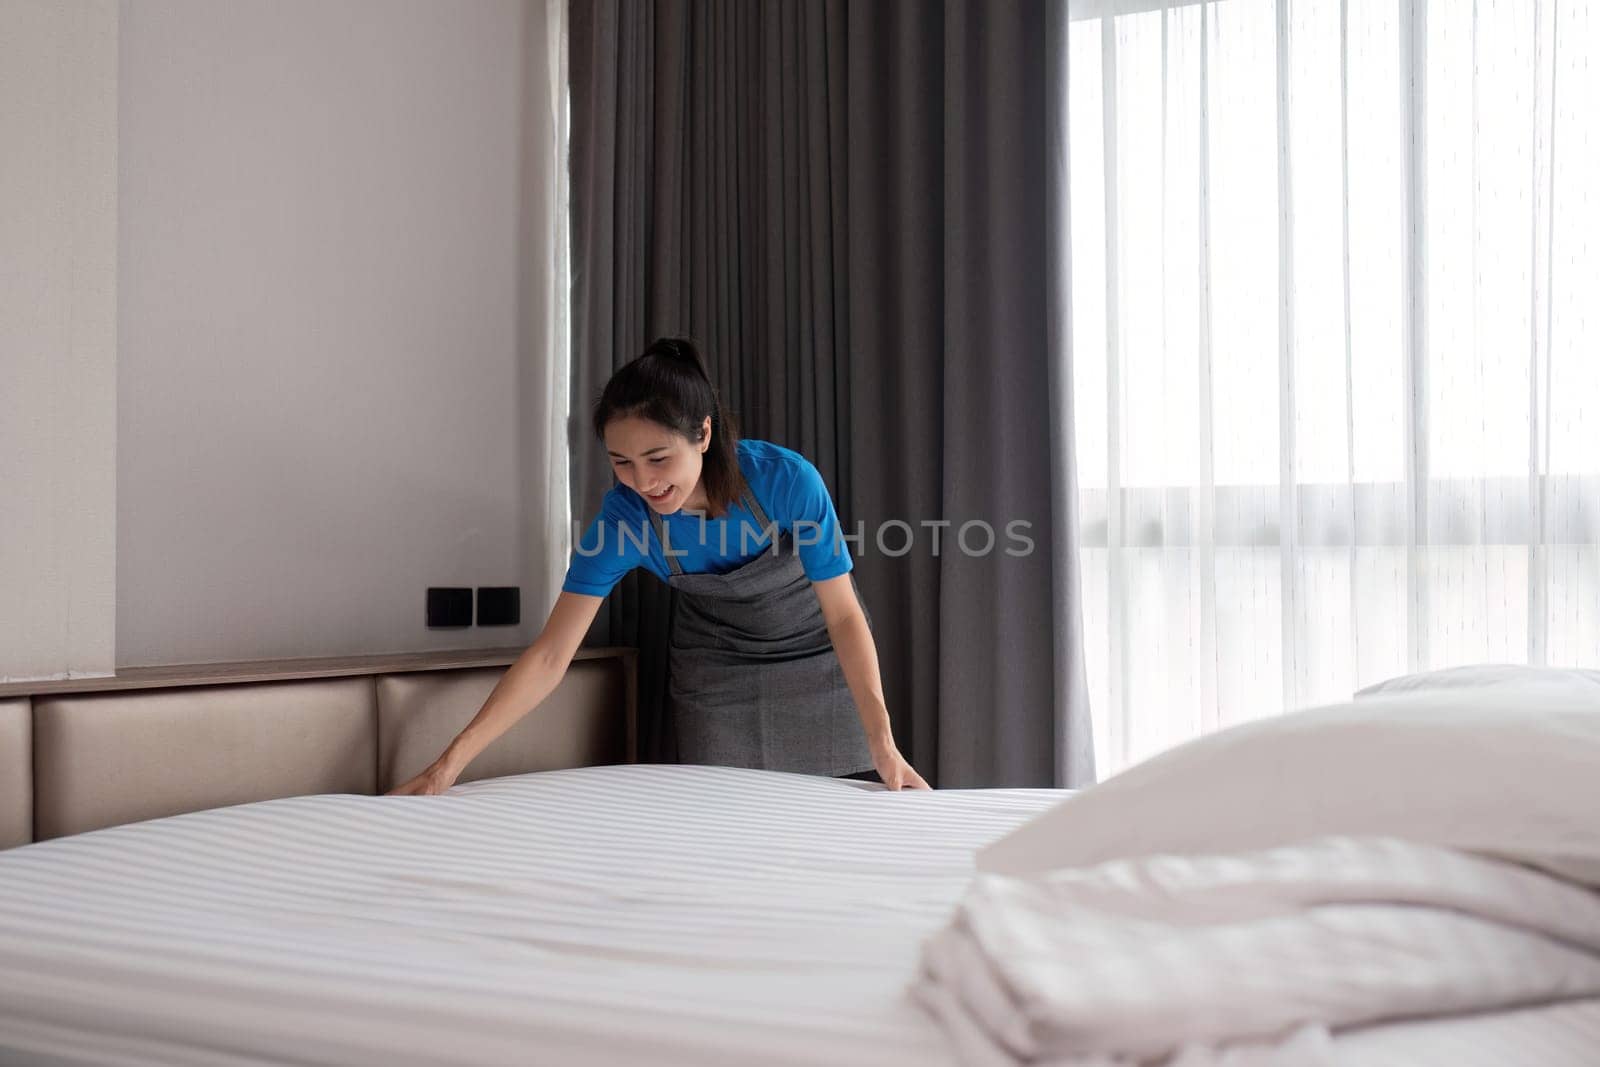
[
  {"x": 646, "y": 914},
  {"x": 655, "y": 914}
]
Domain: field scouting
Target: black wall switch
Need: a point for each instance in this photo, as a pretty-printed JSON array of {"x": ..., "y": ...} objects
[
  {"x": 499, "y": 605},
  {"x": 449, "y": 607}
]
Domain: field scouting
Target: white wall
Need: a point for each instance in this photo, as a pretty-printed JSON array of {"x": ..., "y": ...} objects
[
  {"x": 331, "y": 380},
  {"x": 58, "y": 338},
  {"x": 323, "y": 382}
]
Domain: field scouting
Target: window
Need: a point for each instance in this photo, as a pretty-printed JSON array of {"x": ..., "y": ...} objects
[{"x": 1336, "y": 358}]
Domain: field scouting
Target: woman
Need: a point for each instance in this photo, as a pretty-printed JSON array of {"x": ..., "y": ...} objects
[{"x": 771, "y": 662}]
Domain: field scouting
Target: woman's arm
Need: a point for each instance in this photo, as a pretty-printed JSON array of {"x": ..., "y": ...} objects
[
  {"x": 858, "y": 656},
  {"x": 523, "y": 687}
]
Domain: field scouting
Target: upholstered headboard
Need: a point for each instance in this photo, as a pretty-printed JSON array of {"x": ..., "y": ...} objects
[{"x": 78, "y": 756}]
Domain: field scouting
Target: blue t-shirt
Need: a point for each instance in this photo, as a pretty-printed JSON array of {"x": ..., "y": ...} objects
[{"x": 786, "y": 485}]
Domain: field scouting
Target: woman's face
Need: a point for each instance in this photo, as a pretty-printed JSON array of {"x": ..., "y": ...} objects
[{"x": 656, "y": 462}]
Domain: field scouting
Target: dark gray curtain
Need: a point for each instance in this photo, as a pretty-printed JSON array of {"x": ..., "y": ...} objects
[{"x": 853, "y": 208}]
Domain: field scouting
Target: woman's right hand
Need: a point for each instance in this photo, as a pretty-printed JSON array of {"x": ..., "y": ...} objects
[{"x": 438, "y": 777}]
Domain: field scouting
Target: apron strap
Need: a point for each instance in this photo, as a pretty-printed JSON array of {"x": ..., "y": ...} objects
[
  {"x": 753, "y": 506},
  {"x": 661, "y": 536}
]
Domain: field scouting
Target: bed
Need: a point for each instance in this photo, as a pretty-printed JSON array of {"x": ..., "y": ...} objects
[
  {"x": 621, "y": 914},
  {"x": 604, "y": 914}
]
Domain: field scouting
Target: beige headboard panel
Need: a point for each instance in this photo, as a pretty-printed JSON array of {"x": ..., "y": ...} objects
[
  {"x": 103, "y": 759},
  {"x": 153, "y": 742},
  {"x": 16, "y": 773},
  {"x": 418, "y": 714}
]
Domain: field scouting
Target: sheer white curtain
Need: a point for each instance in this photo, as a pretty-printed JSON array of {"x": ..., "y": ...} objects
[
  {"x": 1336, "y": 344},
  {"x": 546, "y": 333}
]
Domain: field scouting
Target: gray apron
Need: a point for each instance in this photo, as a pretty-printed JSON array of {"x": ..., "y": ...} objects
[{"x": 752, "y": 675}]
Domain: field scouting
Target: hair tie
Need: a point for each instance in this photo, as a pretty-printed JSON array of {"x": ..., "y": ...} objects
[{"x": 681, "y": 351}]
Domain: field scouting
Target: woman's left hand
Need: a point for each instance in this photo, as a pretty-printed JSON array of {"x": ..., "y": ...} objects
[{"x": 894, "y": 770}]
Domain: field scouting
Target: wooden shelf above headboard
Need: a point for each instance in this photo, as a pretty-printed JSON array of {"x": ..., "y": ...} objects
[{"x": 279, "y": 670}]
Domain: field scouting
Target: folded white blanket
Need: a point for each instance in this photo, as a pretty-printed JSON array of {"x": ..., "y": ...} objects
[{"x": 1251, "y": 958}]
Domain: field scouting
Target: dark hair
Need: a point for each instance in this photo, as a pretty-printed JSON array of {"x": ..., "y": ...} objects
[{"x": 669, "y": 385}]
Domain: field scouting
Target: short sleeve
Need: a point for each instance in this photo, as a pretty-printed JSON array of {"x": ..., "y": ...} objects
[
  {"x": 814, "y": 523},
  {"x": 615, "y": 542}
]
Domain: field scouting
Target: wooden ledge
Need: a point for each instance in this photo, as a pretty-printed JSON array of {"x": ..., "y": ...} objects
[{"x": 283, "y": 670}]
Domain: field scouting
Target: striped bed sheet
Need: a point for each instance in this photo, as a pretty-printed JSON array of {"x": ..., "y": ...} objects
[
  {"x": 640, "y": 914},
  {"x": 635, "y": 914}
]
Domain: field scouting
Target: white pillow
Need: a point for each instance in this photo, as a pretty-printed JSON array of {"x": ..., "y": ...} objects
[
  {"x": 1508, "y": 771},
  {"x": 1482, "y": 674}
]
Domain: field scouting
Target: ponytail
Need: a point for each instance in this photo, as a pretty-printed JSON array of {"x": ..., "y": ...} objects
[{"x": 669, "y": 385}]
